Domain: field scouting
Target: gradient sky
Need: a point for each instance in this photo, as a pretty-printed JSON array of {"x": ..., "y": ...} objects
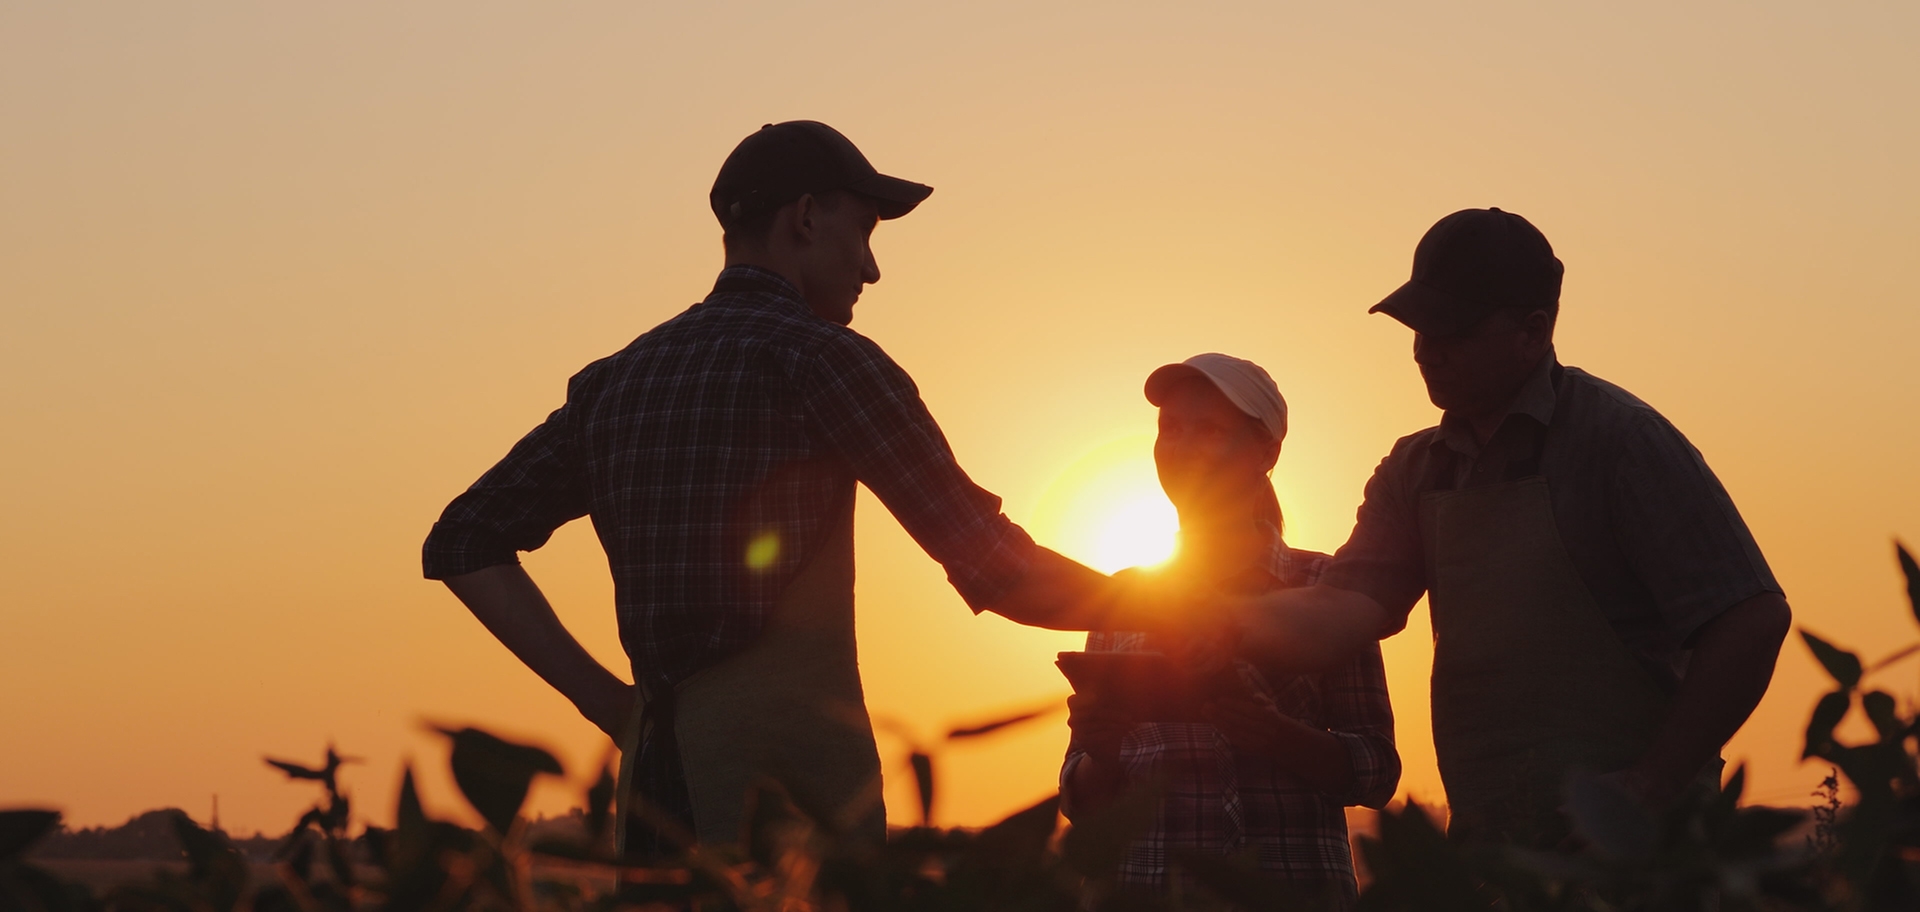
[{"x": 278, "y": 280}]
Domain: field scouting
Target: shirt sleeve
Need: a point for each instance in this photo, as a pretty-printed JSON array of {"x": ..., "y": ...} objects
[
  {"x": 870, "y": 413},
  {"x": 1382, "y": 559},
  {"x": 537, "y": 488},
  {"x": 1679, "y": 530},
  {"x": 1360, "y": 717}
]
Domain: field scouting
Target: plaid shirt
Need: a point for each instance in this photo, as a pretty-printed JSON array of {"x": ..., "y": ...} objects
[
  {"x": 1225, "y": 801},
  {"x": 712, "y": 453}
]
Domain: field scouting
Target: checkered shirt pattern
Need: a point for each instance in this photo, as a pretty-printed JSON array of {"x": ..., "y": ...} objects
[
  {"x": 711, "y": 453},
  {"x": 1225, "y": 801}
]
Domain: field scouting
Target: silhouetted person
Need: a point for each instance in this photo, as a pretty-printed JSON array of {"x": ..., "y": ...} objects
[
  {"x": 717, "y": 455},
  {"x": 1597, "y": 602},
  {"x": 1281, "y": 755}
]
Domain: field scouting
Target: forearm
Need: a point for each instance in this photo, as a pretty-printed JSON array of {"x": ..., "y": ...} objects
[
  {"x": 1732, "y": 664},
  {"x": 1313, "y": 755},
  {"x": 511, "y": 606},
  {"x": 1308, "y": 630},
  {"x": 1060, "y": 594}
]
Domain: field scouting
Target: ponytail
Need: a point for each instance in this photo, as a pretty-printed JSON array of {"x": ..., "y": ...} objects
[{"x": 1268, "y": 508}]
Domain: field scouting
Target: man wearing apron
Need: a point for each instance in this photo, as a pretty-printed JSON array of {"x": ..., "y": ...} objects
[
  {"x": 1598, "y": 604},
  {"x": 717, "y": 455}
]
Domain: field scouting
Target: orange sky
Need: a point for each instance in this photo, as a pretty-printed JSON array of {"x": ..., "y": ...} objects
[{"x": 278, "y": 281}]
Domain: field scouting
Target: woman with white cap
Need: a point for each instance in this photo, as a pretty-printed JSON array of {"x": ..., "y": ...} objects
[{"x": 1279, "y": 758}]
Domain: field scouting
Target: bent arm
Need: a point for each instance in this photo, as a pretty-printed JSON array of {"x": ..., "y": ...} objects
[
  {"x": 1309, "y": 630},
  {"x": 516, "y": 612},
  {"x": 1314, "y": 755},
  {"x": 1732, "y": 664}
]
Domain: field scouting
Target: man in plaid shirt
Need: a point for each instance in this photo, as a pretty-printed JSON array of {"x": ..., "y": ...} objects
[
  {"x": 717, "y": 455},
  {"x": 1276, "y": 764}
]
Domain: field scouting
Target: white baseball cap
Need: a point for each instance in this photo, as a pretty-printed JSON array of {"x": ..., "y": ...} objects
[{"x": 1244, "y": 383}]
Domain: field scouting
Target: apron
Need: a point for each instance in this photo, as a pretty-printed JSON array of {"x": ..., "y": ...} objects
[
  {"x": 1530, "y": 682},
  {"x": 788, "y": 707}
]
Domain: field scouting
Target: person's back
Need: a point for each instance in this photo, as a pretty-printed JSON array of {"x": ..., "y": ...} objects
[{"x": 713, "y": 461}]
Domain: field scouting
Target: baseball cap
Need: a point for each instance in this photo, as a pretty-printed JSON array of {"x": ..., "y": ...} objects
[
  {"x": 1470, "y": 264},
  {"x": 781, "y": 162},
  {"x": 1244, "y": 383}
]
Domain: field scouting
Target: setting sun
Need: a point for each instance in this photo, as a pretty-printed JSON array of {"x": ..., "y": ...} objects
[{"x": 1106, "y": 510}]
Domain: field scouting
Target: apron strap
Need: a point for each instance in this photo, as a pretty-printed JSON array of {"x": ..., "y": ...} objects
[{"x": 652, "y": 774}]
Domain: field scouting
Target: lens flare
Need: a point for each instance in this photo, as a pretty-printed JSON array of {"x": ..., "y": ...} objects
[{"x": 1106, "y": 509}]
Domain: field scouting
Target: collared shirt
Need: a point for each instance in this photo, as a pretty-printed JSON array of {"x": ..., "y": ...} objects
[
  {"x": 1651, "y": 531},
  {"x": 712, "y": 453},
  {"x": 1221, "y": 800}
]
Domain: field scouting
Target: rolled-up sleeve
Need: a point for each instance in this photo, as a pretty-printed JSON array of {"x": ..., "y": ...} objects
[
  {"x": 1360, "y": 716},
  {"x": 514, "y": 507},
  {"x": 1679, "y": 530},
  {"x": 1382, "y": 559},
  {"x": 870, "y": 412}
]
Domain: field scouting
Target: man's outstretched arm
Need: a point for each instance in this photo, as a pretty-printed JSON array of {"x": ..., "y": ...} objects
[
  {"x": 1311, "y": 629},
  {"x": 512, "y": 607},
  {"x": 1059, "y": 593}
]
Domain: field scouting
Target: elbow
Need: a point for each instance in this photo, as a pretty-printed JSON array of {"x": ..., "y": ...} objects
[
  {"x": 1374, "y": 762},
  {"x": 1764, "y": 621},
  {"x": 1374, "y": 791},
  {"x": 1778, "y": 616}
]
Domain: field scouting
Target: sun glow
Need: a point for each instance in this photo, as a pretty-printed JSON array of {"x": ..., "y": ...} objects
[{"x": 1106, "y": 509}]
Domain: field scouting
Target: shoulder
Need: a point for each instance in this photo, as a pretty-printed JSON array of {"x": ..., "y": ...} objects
[
  {"x": 1616, "y": 421},
  {"x": 831, "y": 355},
  {"x": 1603, "y": 399},
  {"x": 1400, "y": 471},
  {"x": 1304, "y": 567}
]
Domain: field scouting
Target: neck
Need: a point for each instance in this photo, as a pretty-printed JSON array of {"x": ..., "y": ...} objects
[
  {"x": 1486, "y": 424},
  {"x": 765, "y": 259},
  {"x": 1220, "y": 541},
  {"x": 1486, "y": 421}
]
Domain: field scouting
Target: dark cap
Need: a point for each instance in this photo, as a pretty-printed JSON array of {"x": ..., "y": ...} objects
[
  {"x": 1470, "y": 264},
  {"x": 781, "y": 162}
]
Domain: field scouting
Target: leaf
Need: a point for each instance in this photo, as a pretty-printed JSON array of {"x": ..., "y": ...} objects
[
  {"x": 773, "y": 828},
  {"x": 1826, "y": 714},
  {"x": 1880, "y": 708},
  {"x": 1912, "y": 572},
  {"x": 409, "y": 818},
  {"x": 295, "y": 770},
  {"x": 1611, "y": 820},
  {"x": 1725, "y": 802},
  {"x": 986, "y": 728},
  {"x": 1019, "y": 843},
  {"x": 1098, "y": 840},
  {"x": 1842, "y": 665},
  {"x": 494, "y": 774},
  {"x": 214, "y": 866},
  {"x": 19, "y": 830},
  {"x": 923, "y": 777},
  {"x": 1415, "y": 867},
  {"x": 600, "y": 805}
]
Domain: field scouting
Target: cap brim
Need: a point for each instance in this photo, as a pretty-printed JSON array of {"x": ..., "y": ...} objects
[
  {"x": 896, "y": 197},
  {"x": 1166, "y": 376},
  {"x": 1428, "y": 311}
]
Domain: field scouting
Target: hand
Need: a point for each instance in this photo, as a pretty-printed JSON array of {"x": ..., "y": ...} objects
[
  {"x": 1166, "y": 604},
  {"x": 1096, "y": 729},
  {"x": 1249, "y": 724},
  {"x": 1635, "y": 785},
  {"x": 610, "y": 708}
]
